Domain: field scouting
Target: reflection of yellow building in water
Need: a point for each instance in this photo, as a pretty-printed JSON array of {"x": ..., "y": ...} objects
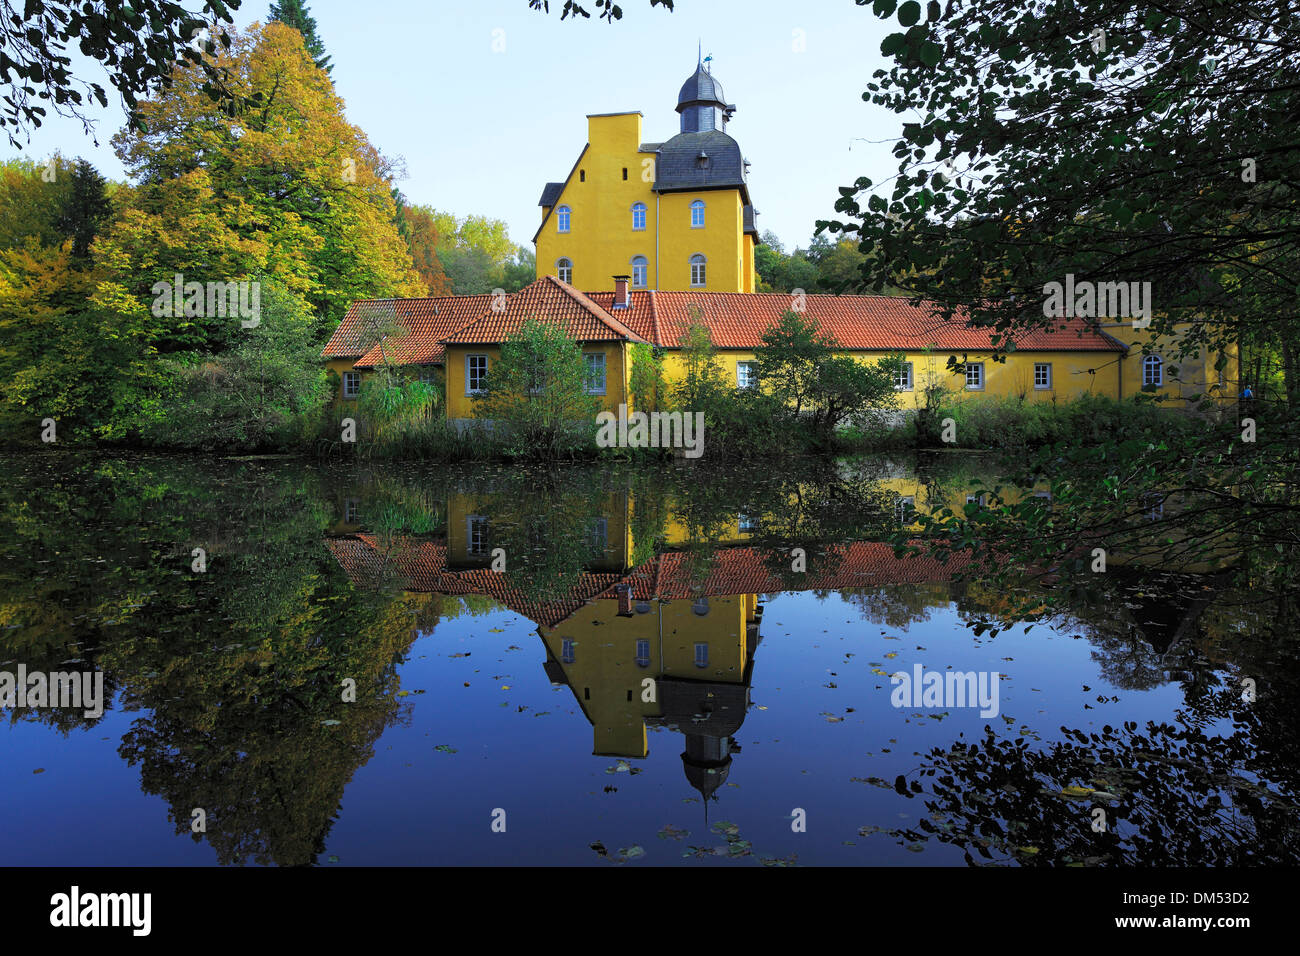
[{"x": 668, "y": 642}]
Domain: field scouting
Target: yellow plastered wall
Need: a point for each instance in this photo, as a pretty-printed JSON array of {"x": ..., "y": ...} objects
[
  {"x": 1196, "y": 376},
  {"x": 601, "y": 241},
  {"x": 607, "y": 680},
  {"x": 462, "y": 405},
  {"x": 1072, "y": 373}
]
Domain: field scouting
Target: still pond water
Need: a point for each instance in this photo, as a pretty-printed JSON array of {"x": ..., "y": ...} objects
[{"x": 370, "y": 665}]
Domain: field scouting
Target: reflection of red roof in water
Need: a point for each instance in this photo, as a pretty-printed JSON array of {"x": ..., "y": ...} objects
[{"x": 422, "y": 566}]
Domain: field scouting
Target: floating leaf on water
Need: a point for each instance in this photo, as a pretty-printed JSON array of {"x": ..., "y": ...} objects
[
  {"x": 1077, "y": 792},
  {"x": 446, "y": 748},
  {"x": 330, "y": 723},
  {"x": 631, "y": 852},
  {"x": 334, "y": 859}
]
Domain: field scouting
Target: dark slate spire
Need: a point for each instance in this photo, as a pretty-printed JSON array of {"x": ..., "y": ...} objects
[{"x": 702, "y": 103}]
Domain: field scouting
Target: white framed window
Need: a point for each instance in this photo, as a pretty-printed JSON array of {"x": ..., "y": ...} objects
[
  {"x": 975, "y": 375},
  {"x": 746, "y": 374},
  {"x": 642, "y": 653},
  {"x": 746, "y": 524},
  {"x": 905, "y": 509},
  {"x": 476, "y": 367},
  {"x": 697, "y": 214},
  {"x": 429, "y": 375},
  {"x": 638, "y": 216},
  {"x": 701, "y": 655},
  {"x": 975, "y": 500},
  {"x": 567, "y": 650},
  {"x": 1153, "y": 370},
  {"x": 598, "y": 533},
  {"x": 903, "y": 377},
  {"x": 562, "y": 219},
  {"x": 1042, "y": 375},
  {"x": 351, "y": 384},
  {"x": 640, "y": 268},
  {"x": 476, "y": 534},
  {"x": 698, "y": 273},
  {"x": 595, "y": 372},
  {"x": 352, "y": 510},
  {"x": 564, "y": 270}
]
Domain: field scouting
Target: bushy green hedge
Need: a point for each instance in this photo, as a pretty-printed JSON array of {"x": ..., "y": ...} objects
[{"x": 989, "y": 422}]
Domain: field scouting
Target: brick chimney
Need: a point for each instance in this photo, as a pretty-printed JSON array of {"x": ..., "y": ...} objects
[
  {"x": 624, "y": 600},
  {"x": 620, "y": 292}
]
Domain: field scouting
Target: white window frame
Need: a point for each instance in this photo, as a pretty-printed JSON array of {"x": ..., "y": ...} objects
[
  {"x": 697, "y": 206},
  {"x": 476, "y": 534},
  {"x": 353, "y": 378},
  {"x": 1047, "y": 385},
  {"x": 589, "y": 358},
  {"x": 638, "y": 212},
  {"x": 598, "y": 533},
  {"x": 702, "y": 654},
  {"x": 1153, "y": 371},
  {"x": 750, "y": 378},
  {"x": 905, "y": 509},
  {"x": 568, "y": 650},
  {"x": 642, "y": 660},
  {"x": 563, "y": 215},
  {"x": 978, "y": 368},
  {"x": 642, "y": 263},
  {"x": 469, "y": 373},
  {"x": 703, "y": 266},
  {"x": 907, "y": 383},
  {"x": 562, "y": 265}
]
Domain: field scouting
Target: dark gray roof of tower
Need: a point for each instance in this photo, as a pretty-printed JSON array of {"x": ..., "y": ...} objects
[
  {"x": 678, "y": 166},
  {"x": 550, "y": 193},
  {"x": 648, "y": 147},
  {"x": 700, "y": 88}
]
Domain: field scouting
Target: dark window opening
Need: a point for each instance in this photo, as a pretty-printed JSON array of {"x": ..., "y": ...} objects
[
  {"x": 625, "y": 172},
  {"x": 582, "y": 175}
]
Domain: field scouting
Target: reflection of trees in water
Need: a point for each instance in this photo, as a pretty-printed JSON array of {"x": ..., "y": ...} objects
[
  {"x": 234, "y": 670},
  {"x": 897, "y": 605},
  {"x": 1173, "y": 794}
]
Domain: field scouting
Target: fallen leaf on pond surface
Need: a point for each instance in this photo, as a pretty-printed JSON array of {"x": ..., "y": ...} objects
[
  {"x": 39, "y": 770},
  {"x": 446, "y": 748},
  {"x": 330, "y": 723},
  {"x": 496, "y": 630},
  {"x": 670, "y": 832}
]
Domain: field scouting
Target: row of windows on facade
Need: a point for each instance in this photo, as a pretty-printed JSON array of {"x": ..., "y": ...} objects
[
  {"x": 564, "y": 216},
  {"x": 476, "y": 370},
  {"x": 568, "y": 652},
  {"x": 640, "y": 270},
  {"x": 1152, "y": 374},
  {"x": 747, "y": 374}
]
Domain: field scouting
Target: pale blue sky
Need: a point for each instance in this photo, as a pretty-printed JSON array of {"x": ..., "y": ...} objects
[{"x": 482, "y": 131}]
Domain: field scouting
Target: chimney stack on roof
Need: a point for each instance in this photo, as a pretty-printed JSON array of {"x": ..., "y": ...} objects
[{"x": 620, "y": 292}]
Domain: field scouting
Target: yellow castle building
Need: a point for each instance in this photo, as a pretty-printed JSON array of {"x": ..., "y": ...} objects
[
  {"x": 672, "y": 215},
  {"x": 661, "y": 236}
]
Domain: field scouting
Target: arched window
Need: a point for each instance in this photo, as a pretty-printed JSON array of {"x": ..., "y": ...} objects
[
  {"x": 697, "y": 214},
  {"x": 638, "y": 216},
  {"x": 562, "y": 219},
  {"x": 564, "y": 270},
  {"x": 697, "y": 269},
  {"x": 1153, "y": 370},
  {"x": 639, "y": 268}
]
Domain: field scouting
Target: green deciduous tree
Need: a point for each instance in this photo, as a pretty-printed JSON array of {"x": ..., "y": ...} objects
[{"x": 538, "y": 392}]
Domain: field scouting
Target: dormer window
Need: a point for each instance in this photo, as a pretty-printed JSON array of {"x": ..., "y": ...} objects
[{"x": 702, "y": 160}]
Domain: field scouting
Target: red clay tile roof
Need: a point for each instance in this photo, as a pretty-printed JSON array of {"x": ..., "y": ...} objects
[
  {"x": 737, "y": 320},
  {"x": 422, "y": 566},
  {"x": 550, "y": 299},
  {"x": 747, "y": 570},
  {"x": 428, "y": 321}
]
